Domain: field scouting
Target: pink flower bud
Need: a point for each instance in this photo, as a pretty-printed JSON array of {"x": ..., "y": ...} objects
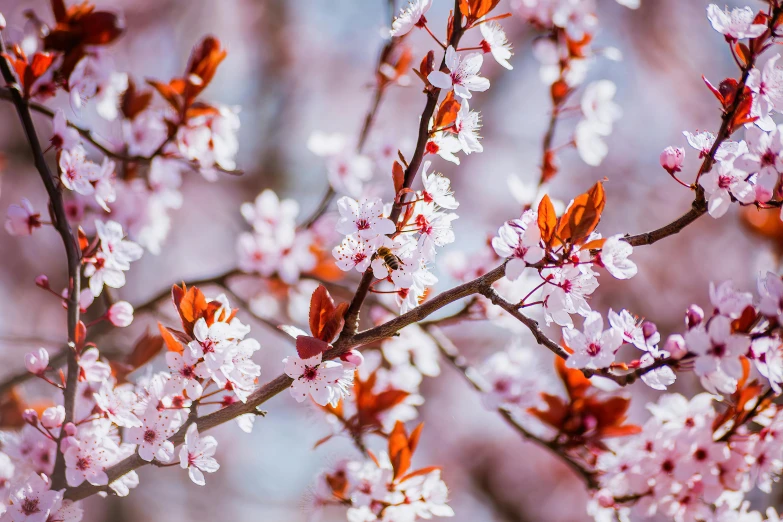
[
  {"x": 30, "y": 416},
  {"x": 120, "y": 314},
  {"x": 53, "y": 417},
  {"x": 2, "y": 22},
  {"x": 37, "y": 362},
  {"x": 605, "y": 498},
  {"x": 649, "y": 329},
  {"x": 675, "y": 345},
  {"x": 354, "y": 357},
  {"x": 694, "y": 316},
  {"x": 672, "y": 158},
  {"x": 42, "y": 281},
  {"x": 70, "y": 429}
]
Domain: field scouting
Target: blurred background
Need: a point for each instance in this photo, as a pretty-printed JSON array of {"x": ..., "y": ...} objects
[{"x": 300, "y": 66}]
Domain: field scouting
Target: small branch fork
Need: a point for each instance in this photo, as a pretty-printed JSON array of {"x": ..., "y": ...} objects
[
  {"x": 369, "y": 120},
  {"x": 72, "y": 251}
]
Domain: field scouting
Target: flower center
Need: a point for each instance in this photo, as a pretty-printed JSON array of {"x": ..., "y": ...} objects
[
  {"x": 30, "y": 506},
  {"x": 310, "y": 373},
  {"x": 83, "y": 463},
  {"x": 593, "y": 349},
  {"x": 362, "y": 224},
  {"x": 150, "y": 436},
  {"x": 724, "y": 182}
]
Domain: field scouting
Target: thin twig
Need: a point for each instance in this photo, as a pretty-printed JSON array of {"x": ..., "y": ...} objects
[{"x": 451, "y": 353}]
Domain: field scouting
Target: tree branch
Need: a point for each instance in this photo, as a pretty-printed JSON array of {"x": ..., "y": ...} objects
[
  {"x": 72, "y": 251},
  {"x": 100, "y": 144},
  {"x": 352, "y": 313},
  {"x": 280, "y": 383},
  {"x": 451, "y": 353}
]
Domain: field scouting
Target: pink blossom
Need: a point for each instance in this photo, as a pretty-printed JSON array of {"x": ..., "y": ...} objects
[
  {"x": 463, "y": 74},
  {"x": 595, "y": 347},
  {"x": 325, "y": 381},
  {"x": 196, "y": 455},
  {"x": 22, "y": 219}
]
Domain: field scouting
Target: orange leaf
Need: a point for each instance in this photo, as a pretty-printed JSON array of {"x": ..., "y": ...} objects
[
  {"x": 172, "y": 344},
  {"x": 447, "y": 112},
  {"x": 583, "y": 215},
  {"x": 547, "y": 219},
  {"x": 399, "y": 452},
  {"x": 420, "y": 472},
  {"x": 575, "y": 382},
  {"x": 413, "y": 440}
]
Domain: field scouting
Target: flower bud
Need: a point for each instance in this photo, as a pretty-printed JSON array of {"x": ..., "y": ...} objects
[
  {"x": 672, "y": 158},
  {"x": 693, "y": 316},
  {"x": 649, "y": 329},
  {"x": 120, "y": 314},
  {"x": 354, "y": 357},
  {"x": 37, "y": 362},
  {"x": 42, "y": 281},
  {"x": 53, "y": 417},
  {"x": 675, "y": 345},
  {"x": 605, "y": 498},
  {"x": 70, "y": 429},
  {"x": 2, "y": 22},
  {"x": 30, "y": 416}
]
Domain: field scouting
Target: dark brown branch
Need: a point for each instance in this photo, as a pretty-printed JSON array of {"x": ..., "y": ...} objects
[
  {"x": 352, "y": 314},
  {"x": 542, "y": 339},
  {"x": 100, "y": 144},
  {"x": 72, "y": 251},
  {"x": 279, "y": 384}
]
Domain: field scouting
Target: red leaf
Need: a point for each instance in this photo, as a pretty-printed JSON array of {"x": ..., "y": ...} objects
[
  {"x": 308, "y": 347},
  {"x": 334, "y": 324},
  {"x": 321, "y": 309},
  {"x": 398, "y": 176}
]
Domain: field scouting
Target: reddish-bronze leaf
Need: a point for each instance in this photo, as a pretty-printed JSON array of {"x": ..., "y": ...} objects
[
  {"x": 100, "y": 28},
  {"x": 146, "y": 348},
  {"x": 134, "y": 102},
  {"x": 334, "y": 323},
  {"x": 398, "y": 176},
  {"x": 168, "y": 92},
  {"x": 307, "y": 347},
  {"x": 321, "y": 309},
  {"x": 203, "y": 63}
]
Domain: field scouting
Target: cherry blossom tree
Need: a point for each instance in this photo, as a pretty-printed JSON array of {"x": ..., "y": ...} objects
[{"x": 359, "y": 272}]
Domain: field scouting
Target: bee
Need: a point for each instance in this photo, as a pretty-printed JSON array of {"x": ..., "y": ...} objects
[{"x": 389, "y": 258}]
